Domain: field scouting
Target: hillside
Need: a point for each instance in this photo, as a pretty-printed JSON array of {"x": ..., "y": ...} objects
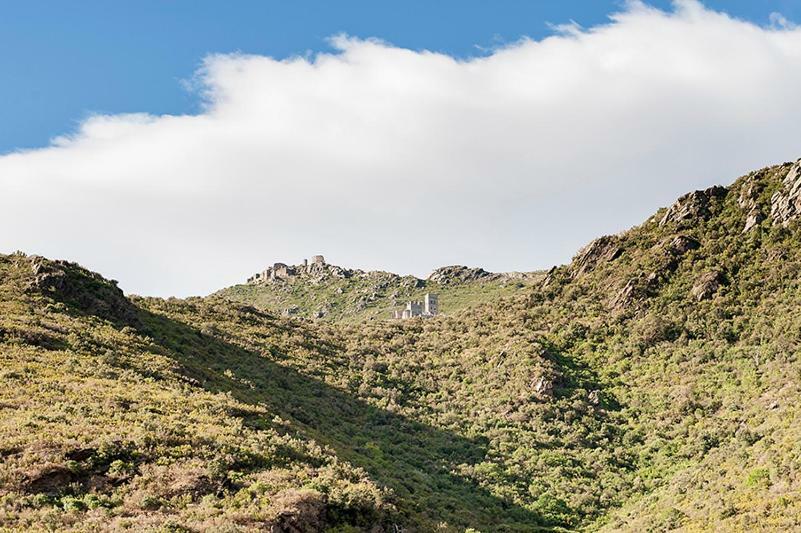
[
  {"x": 115, "y": 417},
  {"x": 333, "y": 293},
  {"x": 649, "y": 385}
]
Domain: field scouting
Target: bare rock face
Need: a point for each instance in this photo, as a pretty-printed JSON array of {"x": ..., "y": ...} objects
[
  {"x": 635, "y": 290},
  {"x": 693, "y": 206},
  {"x": 749, "y": 196},
  {"x": 681, "y": 244},
  {"x": 602, "y": 250},
  {"x": 785, "y": 204},
  {"x": 627, "y": 295},
  {"x": 753, "y": 219},
  {"x": 457, "y": 274},
  {"x": 708, "y": 285}
]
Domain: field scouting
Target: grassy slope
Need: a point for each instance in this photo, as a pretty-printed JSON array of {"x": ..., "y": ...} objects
[
  {"x": 373, "y": 297},
  {"x": 111, "y": 419},
  {"x": 612, "y": 397}
]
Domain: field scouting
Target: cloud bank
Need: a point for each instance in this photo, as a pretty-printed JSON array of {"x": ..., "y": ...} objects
[{"x": 388, "y": 158}]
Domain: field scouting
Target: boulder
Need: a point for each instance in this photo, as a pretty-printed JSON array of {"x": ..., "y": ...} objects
[
  {"x": 707, "y": 285},
  {"x": 543, "y": 386},
  {"x": 681, "y": 244},
  {"x": 636, "y": 290}
]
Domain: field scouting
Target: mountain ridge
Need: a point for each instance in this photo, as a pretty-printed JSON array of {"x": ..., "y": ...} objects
[
  {"x": 650, "y": 384},
  {"x": 330, "y": 292}
]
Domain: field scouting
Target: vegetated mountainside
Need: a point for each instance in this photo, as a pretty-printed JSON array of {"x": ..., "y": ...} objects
[
  {"x": 116, "y": 417},
  {"x": 652, "y": 384},
  {"x": 692, "y": 320},
  {"x": 333, "y": 293}
]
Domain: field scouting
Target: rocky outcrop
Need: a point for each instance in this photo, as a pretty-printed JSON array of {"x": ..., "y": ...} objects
[
  {"x": 543, "y": 387},
  {"x": 748, "y": 201},
  {"x": 601, "y": 250},
  {"x": 458, "y": 274},
  {"x": 693, "y": 206},
  {"x": 681, "y": 244},
  {"x": 785, "y": 204},
  {"x": 315, "y": 273},
  {"x": 85, "y": 291},
  {"x": 752, "y": 220},
  {"x": 635, "y": 290},
  {"x": 707, "y": 285}
]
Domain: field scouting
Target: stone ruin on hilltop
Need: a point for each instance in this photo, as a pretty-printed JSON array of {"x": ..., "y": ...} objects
[
  {"x": 427, "y": 308},
  {"x": 281, "y": 271}
]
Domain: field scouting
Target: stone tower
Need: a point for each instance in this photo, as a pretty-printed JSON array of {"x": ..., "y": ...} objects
[{"x": 430, "y": 304}]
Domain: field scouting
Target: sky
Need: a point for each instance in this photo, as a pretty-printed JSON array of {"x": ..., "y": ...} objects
[{"x": 181, "y": 146}]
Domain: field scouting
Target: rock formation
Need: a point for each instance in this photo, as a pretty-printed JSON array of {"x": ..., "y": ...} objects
[
  {"x": 785, "y": 204},
  {"x": 693, "y": 205},
  {"x": 454, "y": 274},
  {"x": 601, "y": 250},
  {"x": 707, "y": 285}
]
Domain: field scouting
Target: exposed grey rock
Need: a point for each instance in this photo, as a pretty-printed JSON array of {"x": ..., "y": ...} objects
[
  {"x": 693, "y": 206},
  {"x": 543, "y": 386},
  {"x": 750, "y": 191},
  {"x": 82, "y": 289},
  {"x": 707, "y": 285},
  {"x": 628, "y": 294},
  {"x": 752, "y": 220},
  {"x": 681, "y": 244},
  {"x": 601, "y": 250},
  {"x": 594, "y": 397},
  {"x": 635, "y": 290},
  {"x": 785, "y": 204},
  {"x": 457, "y": 274},
  {"x": 549, "y": 277}
]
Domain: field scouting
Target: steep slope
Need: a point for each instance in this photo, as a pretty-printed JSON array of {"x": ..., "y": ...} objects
[
  {"x": 107, "y": 423},
  {"x": 333, "y": 293},
  {"x": 693, "y": 320}
]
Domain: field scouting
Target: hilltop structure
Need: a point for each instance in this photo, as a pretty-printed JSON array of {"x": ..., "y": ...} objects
[
  {"x": 283, "y": 271},
  {"x": 427, "y": 308}
]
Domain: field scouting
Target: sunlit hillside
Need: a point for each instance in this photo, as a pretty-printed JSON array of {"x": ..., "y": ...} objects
[{"x": 649, "y": 385}]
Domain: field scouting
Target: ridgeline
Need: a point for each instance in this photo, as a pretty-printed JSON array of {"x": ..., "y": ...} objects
[{"x": 649, "y": 385}]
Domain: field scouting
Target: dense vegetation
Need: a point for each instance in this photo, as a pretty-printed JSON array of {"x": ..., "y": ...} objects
[{"x": 652, "y": 384}]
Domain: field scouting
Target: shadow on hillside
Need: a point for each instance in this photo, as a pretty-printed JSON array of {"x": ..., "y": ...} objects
[{"x": 413, "y": 459}]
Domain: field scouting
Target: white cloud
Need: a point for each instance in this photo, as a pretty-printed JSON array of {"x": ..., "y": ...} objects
[
  {"x": 779, "y": 21},
  {"x": 382, "y": 157}
]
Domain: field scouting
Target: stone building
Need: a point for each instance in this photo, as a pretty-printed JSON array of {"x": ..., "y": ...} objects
[
  {"x": 281, "y": 271},
  {"x": 430, "y": 304},
  {"x": 427, "y": 308}
]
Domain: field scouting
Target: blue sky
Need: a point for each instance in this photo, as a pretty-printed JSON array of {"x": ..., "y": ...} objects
[
  {"x": 62, "y": 61},
  {"x": 450, "y": 141}
]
